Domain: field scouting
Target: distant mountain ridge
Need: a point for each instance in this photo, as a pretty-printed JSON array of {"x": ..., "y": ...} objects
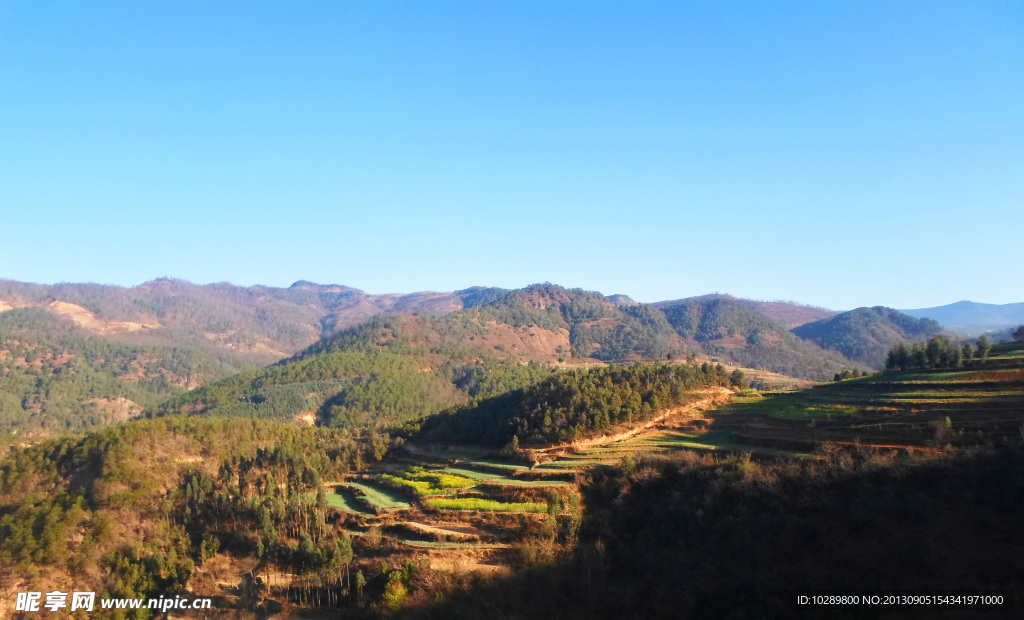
[
  {"x": 73, "y": 356},
  {"x": 262, "y": 324},
  {"x": 259, "y": 324},
  {"x": 973, "y": 318},
  {"x": 867, "y": 334},
  {"x": 787, "y": 313},
  {"x": 742, "y": 334},
  {"x": 342, "y": 354},
  {"x": 395, "y": 370}
]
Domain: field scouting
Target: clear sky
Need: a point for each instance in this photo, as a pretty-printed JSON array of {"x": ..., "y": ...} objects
[{"x": 834, "y": 153}]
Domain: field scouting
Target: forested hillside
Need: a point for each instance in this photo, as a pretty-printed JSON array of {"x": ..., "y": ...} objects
[
  {"x": 56, "y": 377},
  {"x": 75, "y": 356},
  {"x": 395, "y": 370},
  {"x": 356, "y": 360},
  {"x": 268, "y": 515},
  {"x": 568, "y": 405},
  {"x": 739, "y": 334},
  {"x": 788, "y": 314},
  {"x": 258, "y": 323},
  {"x": 584, "y": 323},
  {"x": 384, "y": 374},
  {"x": 133, "y": 510},
  {"x": 598, "y": 327},
  {"x": 867, "y": 334}
]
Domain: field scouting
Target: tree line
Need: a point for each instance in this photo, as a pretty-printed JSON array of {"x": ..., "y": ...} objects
[
  {"x": 937, "y": 352},
  {"x": 570, "y": 404}
]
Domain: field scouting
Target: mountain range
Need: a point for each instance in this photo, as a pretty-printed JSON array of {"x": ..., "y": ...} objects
[{"x": 80, "y": 355}]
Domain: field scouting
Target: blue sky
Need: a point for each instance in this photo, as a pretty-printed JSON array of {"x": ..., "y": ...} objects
[{"x": 833, "y": 153}]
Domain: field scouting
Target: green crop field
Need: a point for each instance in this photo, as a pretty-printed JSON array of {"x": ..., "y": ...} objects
[
  {"x": 786, "y": 407},
  {"x": 342, "y": 499},
  {"x": 441, "y": 480},
  {"x": 519, "y": 482},
  {"x": 620, "y": 451},
  {"x": 711, "y": 439},
  {"x": 489, "y": 505},
  {"x": 421, "y": 487},
  {"x": 747, "y": 399},
  {"x": 380, "y": 498},
  {"x": 469, "y": 473},
  {"x": 1012, "y": 351},
  {"x": 427, "y": 483},
  {"x": 485, "y": 464}
]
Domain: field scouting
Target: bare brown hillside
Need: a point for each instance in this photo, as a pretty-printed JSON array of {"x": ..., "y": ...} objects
[{"x": 258, "y": 323}]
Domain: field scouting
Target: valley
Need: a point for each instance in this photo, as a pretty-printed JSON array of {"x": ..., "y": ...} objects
[
  {"x": 546, "y": 439},
  {"x": 511, "y": 310},
  {"x": 510, "y": 519}
]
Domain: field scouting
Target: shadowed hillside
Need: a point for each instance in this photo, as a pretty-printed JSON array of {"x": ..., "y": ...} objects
[
  {"x": 735, "y": 538},
  {"x": 898, "y": 483}
]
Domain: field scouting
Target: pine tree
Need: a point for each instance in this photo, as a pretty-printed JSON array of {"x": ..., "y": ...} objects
[{"x": 984, "y": 347}]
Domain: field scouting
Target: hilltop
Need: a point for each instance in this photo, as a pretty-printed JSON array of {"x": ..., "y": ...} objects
[
  {"x": 738, "y": 333},
  {"x": 395, "y": 370},
  {"x": 344, "y": 357},
  {"x": 260, "y": 324},
  {"x": 788, "y": 314},
  {"x": 866, "y": 334}
]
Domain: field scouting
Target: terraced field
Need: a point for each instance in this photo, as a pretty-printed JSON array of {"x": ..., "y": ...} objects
[
  {"x": 480, "y": 503},
  {"x": 433, "y": 497},
  {"x": 437, "y": 499},
  {"x": 919, "y": 410},
  {"x": 378, "y": 497},
  {"x": 344, "y": 499}
]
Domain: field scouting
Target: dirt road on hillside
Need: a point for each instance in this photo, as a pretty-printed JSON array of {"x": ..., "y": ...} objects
[{"x": 715, "y": 396}]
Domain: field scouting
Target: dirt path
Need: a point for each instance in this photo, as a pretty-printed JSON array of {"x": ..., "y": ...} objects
[
  {"x": 716, "y": 396},
  {"x": 884, "y": 446},
  {"x": 447, "y": 529}
]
